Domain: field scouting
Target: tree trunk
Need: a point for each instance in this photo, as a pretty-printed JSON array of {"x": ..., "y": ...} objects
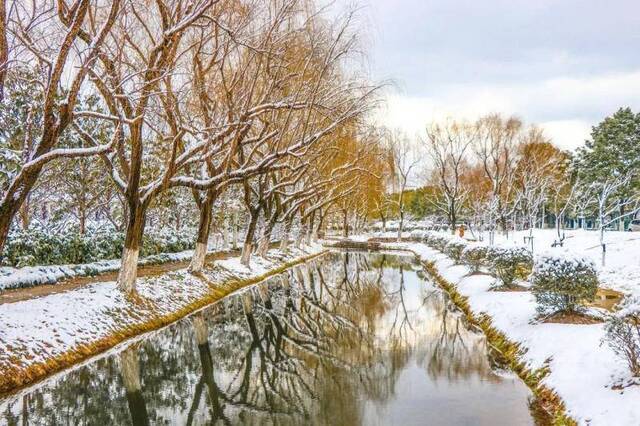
[
  {"x": 345, "y": 224},
  {"x": 265, "y": 240},
  {"x": 401, "y": 226},
  {"x": 234, "y": 232},
  {"x": 13, "y": 200},
  {"x": 301, "y": 234},
  {"x": 204, "y": 229},
  {"x": 318, "y": 231},
  {"x": 286, "y": 234},
  {"x": 310, "y": 228},
  {"x": 24, "y": 214},
  {"x": 247, "y": 248},
  {"x": 225, "y": 240},
  {"x": 178, "y": 220},
  {"x": 201, "y": 330},
  {"x": 131, "y": 250},
  {"x": 4, "y": 48},
  {"x": 453, "y": 219},
  {"x": 263, "y": 244},
  {"x": 83, "y": 220},
  {"x": 602, "y": 244}
]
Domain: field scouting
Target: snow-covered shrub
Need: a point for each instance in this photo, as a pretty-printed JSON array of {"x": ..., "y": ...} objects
[
  {"x": 563, "y": 283},
  {"x": 510, "y": 264},
  {"x": 41, "y": 247},
  {"x": 166, "y": 241},
  {"x": 474, "y": 256},
  {"x": 623, "y": 334},
  {"x": 38, "y": 246},
  {"x": 454, "y": 248},
  {"x": 429, "y": 238},
  {"x": 438, "y": 241},
  {"x": 418, "y": 235}
]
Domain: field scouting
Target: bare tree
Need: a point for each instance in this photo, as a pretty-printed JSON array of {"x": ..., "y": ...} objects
[
  {"x": 496, "y": 151},
  {"x": 448, "y": 146},
  {"x": 404, "y": 160}
]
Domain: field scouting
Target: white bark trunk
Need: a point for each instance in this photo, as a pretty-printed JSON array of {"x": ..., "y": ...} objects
[
  {"x": 263, "y": 247},
  {"x": 245, "y": 257},
  {"x": 200, "y": 328},
  {"x": 130, "y": 369},
  {"x": 300, "y": 238},
  {"x": 284, "y": 242},
  {"x": 225, "y": 242},
  {"x": 234, "y": 236},
  {"x": 128, "y": 270},
  {"x": 309, "y": 234},
  {"x": 199, "y": 255},
  {"x": 263, "y": 291},
  {"x": 247, "y": 302}
]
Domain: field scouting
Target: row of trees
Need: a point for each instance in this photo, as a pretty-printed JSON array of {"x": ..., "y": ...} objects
[
  {"x": 497, "y": 174},
  {"x": 131, "y": 111}
]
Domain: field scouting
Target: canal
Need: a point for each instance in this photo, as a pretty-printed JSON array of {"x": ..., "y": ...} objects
[{"x": 350, "y": 338}]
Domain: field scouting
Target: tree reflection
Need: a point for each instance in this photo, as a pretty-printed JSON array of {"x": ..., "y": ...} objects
[
  {"x": 306, "y": 347},
  {"x": 130, "y": 370}
]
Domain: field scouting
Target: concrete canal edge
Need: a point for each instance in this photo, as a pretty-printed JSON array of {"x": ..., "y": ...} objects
[
  {"x": 14, "y": 379},
  {"x": 510, "y": 351}
]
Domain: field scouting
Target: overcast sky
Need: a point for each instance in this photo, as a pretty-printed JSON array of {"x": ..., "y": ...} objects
[{"x": 564, "y": 64}]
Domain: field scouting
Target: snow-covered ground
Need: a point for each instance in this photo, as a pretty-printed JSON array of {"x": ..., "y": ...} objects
[
  {"x": 582, "y": 368},
  {"x": 622, "y": 262},
  {"x": 72, "y": 323}
]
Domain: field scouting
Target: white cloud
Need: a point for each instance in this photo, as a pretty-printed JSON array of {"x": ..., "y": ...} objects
[
  {"x": 567, "y": 134},
  {"x": 565, "y": 107}
]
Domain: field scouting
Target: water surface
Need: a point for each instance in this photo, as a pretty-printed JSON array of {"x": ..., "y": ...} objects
[{"x": 347, "y": 339}]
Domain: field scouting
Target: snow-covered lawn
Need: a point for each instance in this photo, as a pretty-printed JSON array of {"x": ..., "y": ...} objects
[
  {"x": 622, "y": 267},
  {"x": 582, "y": 369},
  {"x": 42, "y": 335}
]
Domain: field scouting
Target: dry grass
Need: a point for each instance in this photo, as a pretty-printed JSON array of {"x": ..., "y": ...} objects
[{"x": 14, "y": 376}]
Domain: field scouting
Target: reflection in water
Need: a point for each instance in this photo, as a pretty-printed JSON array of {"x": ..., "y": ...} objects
[{"x": 347, "y": 339}]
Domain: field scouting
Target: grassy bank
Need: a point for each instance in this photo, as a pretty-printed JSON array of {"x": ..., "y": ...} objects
[
  {"x": 83, "y": 323},
  {"x": 552, "y": 406},
  {"x": 511, "y": 352}
]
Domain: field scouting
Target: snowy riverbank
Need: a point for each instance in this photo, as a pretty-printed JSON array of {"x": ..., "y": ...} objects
[
  {"x": 621, "y": 271},
  {"x": 581, "y": 368},
  {"x": 44, "y": 335}
]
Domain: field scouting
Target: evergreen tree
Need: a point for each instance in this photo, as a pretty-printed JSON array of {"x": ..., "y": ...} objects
[{"x": 613, "y": 150}]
